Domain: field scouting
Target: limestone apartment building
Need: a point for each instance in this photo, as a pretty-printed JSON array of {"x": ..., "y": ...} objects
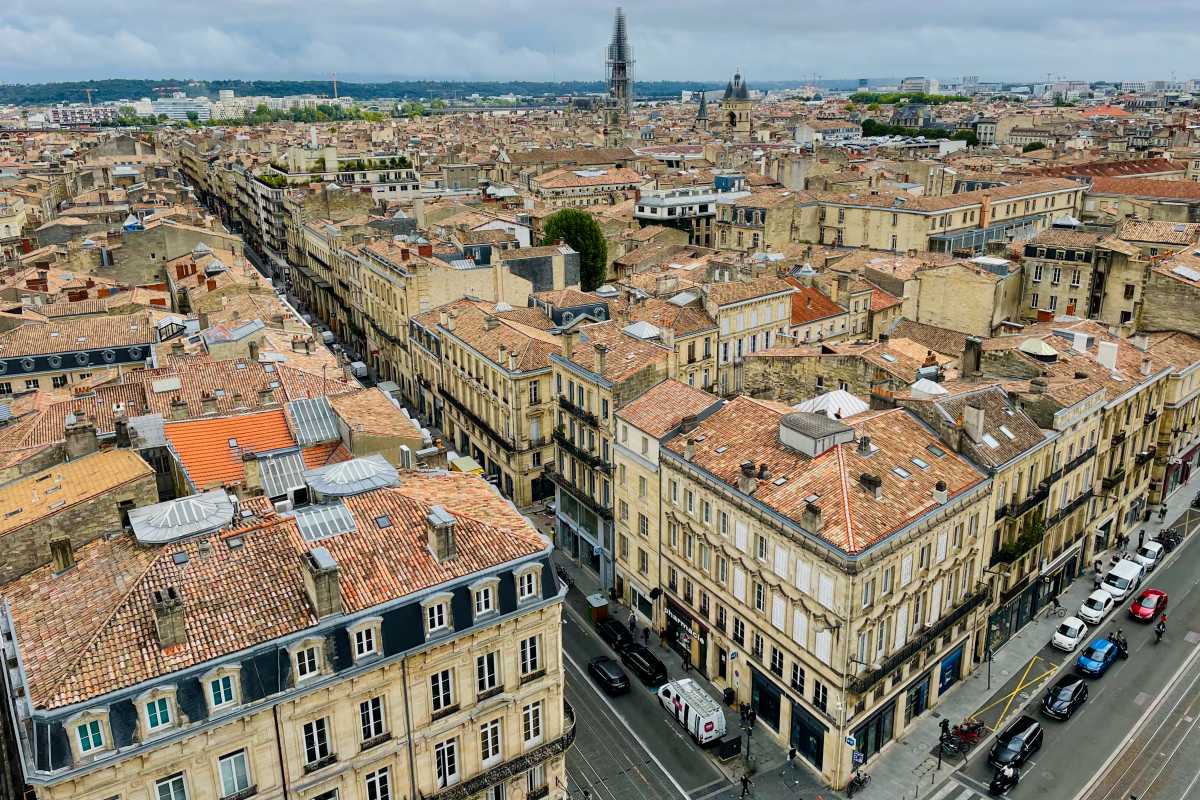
[
  {"x": 398, "y": 638},
  {"x": 828, "y": 573}
]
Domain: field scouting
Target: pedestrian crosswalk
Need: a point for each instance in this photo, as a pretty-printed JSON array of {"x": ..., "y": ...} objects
[{"x": 953, "y": 790}]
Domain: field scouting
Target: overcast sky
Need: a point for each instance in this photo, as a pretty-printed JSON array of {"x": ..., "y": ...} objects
[{"x": 564, "y": 39}]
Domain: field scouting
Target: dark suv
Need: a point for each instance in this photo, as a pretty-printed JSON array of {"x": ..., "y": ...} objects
[
  {"x": 1065, "y": 697},
  {"x": 614, "y": 634},
  {"x": 645, "y": 665},
  {"x": 1016, "y": 743}
]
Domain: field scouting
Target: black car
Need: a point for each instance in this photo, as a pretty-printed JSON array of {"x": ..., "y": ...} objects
[
  {"x": 608, "y": 674},
  {"x": 615, "y": 635},
  {"x": 645, "y": 665},
  {"x": 1017, "y": 743},
  {"x": 1065, "y": 697}
]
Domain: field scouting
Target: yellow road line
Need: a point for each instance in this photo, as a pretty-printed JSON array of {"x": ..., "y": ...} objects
[{"x": 1023, "y": 683}]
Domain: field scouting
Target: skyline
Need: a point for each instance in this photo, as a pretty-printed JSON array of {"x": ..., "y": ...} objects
[{"x": 527, "y": 40}]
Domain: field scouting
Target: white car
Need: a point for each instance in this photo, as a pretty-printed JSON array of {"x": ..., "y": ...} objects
[
  {"x": 1071, "y": 631},
  {"x": 1097, "y": 605},
  {"x": 1149, "y": 554}
]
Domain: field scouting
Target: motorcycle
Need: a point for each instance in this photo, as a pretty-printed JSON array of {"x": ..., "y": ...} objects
[
  {"x": 858, "y": 781},
  {"x": 1004, "y": 779},
  {"x": 1196, "y": 501},
  {"x": 1159, "y": 630},
  {"x": 968, "y": 732}
]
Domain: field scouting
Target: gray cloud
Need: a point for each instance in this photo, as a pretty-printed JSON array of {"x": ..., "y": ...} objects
[{"x": 543, "y": 40}]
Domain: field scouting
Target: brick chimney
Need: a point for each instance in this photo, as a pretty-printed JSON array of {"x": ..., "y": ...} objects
[
  {"x": 80, "y": 436},
  {"x": 321, "y": 582},
  {"x": 439, "y": 526},
  {"x": 253, "y": 346},
  {"x": 179, "y": 408},
  {"x": 169, "y": 617}
]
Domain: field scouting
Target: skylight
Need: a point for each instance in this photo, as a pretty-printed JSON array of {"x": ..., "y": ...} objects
[
  {"x": 937, "y": 451},
  {"x": 921, "y": 463},
  {"x": 990, "y": 441},
  {"x": 902, "y": 472},
  {"x": 1004, "y": 429},
  {"x": 887, "y": 357}
]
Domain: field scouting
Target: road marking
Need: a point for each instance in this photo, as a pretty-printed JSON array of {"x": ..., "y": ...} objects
[
  {"x": 1120, "y": 748},
  {"x": 630, "y": 731}
]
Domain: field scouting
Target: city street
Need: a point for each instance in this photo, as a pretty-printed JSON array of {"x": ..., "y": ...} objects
[{"x": 1136, "y": 732}]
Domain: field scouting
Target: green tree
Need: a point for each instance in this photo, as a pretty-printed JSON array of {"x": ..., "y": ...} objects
[
  {"x": 438, "y": 103},
  {"x": 580, "y": 230},
  {"x": 1033, "y": 146},
  {"x": 193, "y": 116}
]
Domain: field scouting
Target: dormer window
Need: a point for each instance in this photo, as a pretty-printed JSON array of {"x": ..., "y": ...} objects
[
  {"x": 90, "y": 736},
  {"x": 527, "y": 583},
  {"x": 438, "y": 619},
  {"x": 484, "y": 594},
  {"x": 365, "y": 636},
  {"x": 222, "y": 688},
  {"x": 158, "y": 711},
  {"x": 306, "y": 662},
  {"x": 308, "y": 658}
]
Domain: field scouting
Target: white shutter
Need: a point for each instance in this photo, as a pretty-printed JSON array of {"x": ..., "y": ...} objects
[
  {"x": 739, "y": 583},
  {"x": 778, "y": 612},
  {"x": 901, "y": 627},
  {"x": 740, "y": 535},
  {"x": 941, "y": 547},
  {"x": 803, "y": 576},
  {"x": 825, "y": 591},
  {"x": 781, "y": 561},
  {"x": 825, "y": 646},
  {"x": 935, "y": 604},
  {"x": 800, "y": 628},
  {"x": 906, "y": 570}
]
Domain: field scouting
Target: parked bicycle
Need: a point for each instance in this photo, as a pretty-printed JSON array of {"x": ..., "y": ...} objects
[{"x": 858, "y": 781}]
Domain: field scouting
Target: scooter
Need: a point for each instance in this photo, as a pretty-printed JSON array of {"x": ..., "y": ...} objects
[{"x": 1004, "y": 780}]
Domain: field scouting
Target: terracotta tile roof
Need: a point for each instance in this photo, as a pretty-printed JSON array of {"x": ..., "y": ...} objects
[
  {"x": 60, "y": 487},
  {"x": 63, "y": 335},
  {"x": 565, "y": 178},
  {"x": 881, "y": 300},
  {"x": 370, "y": 411},
  {"x": 626, "y": 355},
  {"x": 581, "y": 156},
  {"x": 684, "y": 320},
  {"x": 523, "y": 332},
  {"x": 853, "y": 519},
  {"x": 940, "y": 340},
  {"x": 731, "y": 292},
  {"x": 204, "y": 447},
  {"x": 661, "y": 408},
  {"x": 1111, "y": 169},
  {"x": 810, "y": 304},
  {"x": 1059, "y": 237},
  {"x": 1173, "y": 233},
  {"x": 1012, "y": 430},
  {"x": 1148, "y": 188},
  {"x": 236, "y": 598}
]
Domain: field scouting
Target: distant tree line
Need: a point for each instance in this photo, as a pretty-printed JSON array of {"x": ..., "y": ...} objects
[
  {"x": 133, "y": 89},
  {"x": 872, "y": 128},
  {"x": 261, "y": 115},
  {"x": 892, "y": 98}
]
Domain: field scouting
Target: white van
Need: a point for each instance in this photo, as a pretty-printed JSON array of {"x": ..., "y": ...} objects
[
  {"x": 1122, "y": 579},
  {"x": 1149, "y": 554},
  {"x": 694, "y": 709}
]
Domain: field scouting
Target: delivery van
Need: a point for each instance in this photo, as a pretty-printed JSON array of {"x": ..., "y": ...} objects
[
  {"x": 1123, "y": 578},
  {"x": 694, "y": 709}
]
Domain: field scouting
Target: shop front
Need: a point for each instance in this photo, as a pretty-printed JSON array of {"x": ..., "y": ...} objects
[
  {"x": 1180, "y": 470},
  {"x": 951, "y": 670},
  {"x": 688, "y": 638},
  {"x": 766, "y": 699},
  {"x": 808, "y": 736},
  {"x": 1018, "y": 606},
  {"x": 916, "y": 698},
  {"x": 877, "y": 731},
  {"x": 1058, "y": 573},
  {"x": 642, "y": 602}
]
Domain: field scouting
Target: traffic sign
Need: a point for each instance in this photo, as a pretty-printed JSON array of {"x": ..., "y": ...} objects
[{"x": 851, "y": 741}]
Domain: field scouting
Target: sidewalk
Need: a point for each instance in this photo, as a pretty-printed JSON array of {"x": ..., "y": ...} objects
[{"x": 905, "y": 770}]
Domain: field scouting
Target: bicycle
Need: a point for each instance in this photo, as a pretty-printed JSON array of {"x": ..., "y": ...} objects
[{"x": 860, "y": 780}]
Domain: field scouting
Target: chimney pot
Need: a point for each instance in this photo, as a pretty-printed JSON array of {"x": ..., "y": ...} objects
[
  {"x": 321, "y": 582},
  {"x": 440, "y": 526},
  {"x": 169, "y": 622}
]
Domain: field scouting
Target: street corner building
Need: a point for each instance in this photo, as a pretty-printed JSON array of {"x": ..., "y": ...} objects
[
  {"x": 398, "y": 637},
  {"x": 827, "y": 572}
]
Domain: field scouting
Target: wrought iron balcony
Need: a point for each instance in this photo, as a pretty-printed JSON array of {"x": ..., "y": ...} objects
[
  {"x": 577, "y": 492},
  {"x": 1151, "y": 415},
  {"x": 1068, "y": 509},
  {"x": 1113, "y": 480},
  {"x": 1118, "y": 437},
  {"x": 513, "y": 767},
  {"x": 593, "y": 460},
  {"x": 578, "y": 411}
]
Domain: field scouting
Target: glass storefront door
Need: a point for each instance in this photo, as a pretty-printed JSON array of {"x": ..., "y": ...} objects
[
  {"x": 765, "y": 699},
  {"x": 951, "y": 670},
  {"x": 872, "y": 735},
  {"x": 808, "y": 736},
  {"x": 916, "y": 699}
]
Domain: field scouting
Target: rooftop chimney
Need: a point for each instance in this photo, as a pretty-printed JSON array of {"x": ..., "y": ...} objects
[
  {"x": 1147, "y": 367},
  {"x": 321, "y": 582},
  {"x": 179, "y": 409},
  {"x": 872, "y": 483},
  {"x": 973, "y": 418},
  {"x": 940, "y": 493},
  {"x": 121, "y": 430},
  {"x": 601, "y": 357},
  {"x": 490, "y": 322},
  {"x": 689, "y": 451},
  {"x": 864, "y": 445},
  {"x": 253, "y": 346},
  {"x": 439, "y": 525},
  {"x": 80, "y": 436},
  {"x": 812, "y": 519},
  {"x": 568, "y": 344},
  {"x": 1106, "y": 354},
  {"x": 747, "y": 483},
  {"x": 1079, "y": 342},
  {"x": 168, "y": 617},
  {"x": 764, "y": 474},
  {"x": 61, "y": 553}
]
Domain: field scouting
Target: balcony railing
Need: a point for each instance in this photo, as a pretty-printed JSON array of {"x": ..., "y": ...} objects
[
  {"x": 513, "y": 767},
  {"x": 482, "y": 424},
  {"x": 1068, "y": 509},
  {"x": 1151, "y": 415},
  {"x": 578, "y": 411},
  {"x": 1113, "y": 480},
  {"x": 591, "y": 459},
  {"x": 577, "y": 492},
  {"x": 1079, "y": 459},
  {"x": 861, "y": 684},
  {"x": 1118, "y": 437},
  {"x": 1016, "y": 510}
]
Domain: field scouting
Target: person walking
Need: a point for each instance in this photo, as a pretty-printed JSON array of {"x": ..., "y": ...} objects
[
  {"x": 1142, "y": 537},
  {"x": 646, "y": 636},
  {"x": 746, "y": 784}
]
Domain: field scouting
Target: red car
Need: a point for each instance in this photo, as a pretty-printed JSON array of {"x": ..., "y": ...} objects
[{"x": 1148, "y": 605}]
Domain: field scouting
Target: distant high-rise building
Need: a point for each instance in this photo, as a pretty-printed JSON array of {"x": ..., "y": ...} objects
[
  {"x": 619, "y": 65},
  {"x": 862, "y": 83}
]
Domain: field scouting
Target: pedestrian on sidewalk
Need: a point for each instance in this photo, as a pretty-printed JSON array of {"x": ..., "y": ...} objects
[
  {"x": 632, "y": 623},
  {"x": 1162, "y": 512},
  {"x": 646, "y": 636},
  {"x": 1142, "y": 536},
  {"x": 685, "y": 663},
  {"x": 746, "y": 784}
]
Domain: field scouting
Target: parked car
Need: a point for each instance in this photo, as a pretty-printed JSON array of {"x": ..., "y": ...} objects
[
  {"x": 608, "y": 674},
  {"x": 1016, "y": 743},
  {"x": 694, "y": 709},
  {"x": 1064, "y": 697},
  {"x": 1148, "y": 605},
  {"x": 1096, "y": 658},
  {"x": 1069, "y": 634},
  {"x": 645, "y": 665},
  {"x": 1123, "y": 579},
  {"x": 614, "y": 634},
  {"x": 1096, "y": 606},
  {"x": 1149, "y": 554}
]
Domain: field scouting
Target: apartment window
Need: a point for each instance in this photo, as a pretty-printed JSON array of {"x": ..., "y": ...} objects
[
  {"x": 90, "y": 736},
  {"x": 756, "y": 645},
  {"x": 533, "y": 393},
  {"x": 316, "y": 740},
  {"x": 760, "y": 547},
  {"x": 489, "y": 742},
  {"x": 643, "y": 561},
  {"x": 689, "y": 546},
  {"x": 672, "y": 578},
  {"x": 379, "y": 784},
  {"x": 623, "y": 510},
  {"x": 484, "y": 602},
  {"x": 1053, "y": 302},
  {"x": 798, "y": 678},
  {"x": 721, "y": 618},
  {"x": 722, "y": 570},
  {"x": 235, "y": 773},
  {"x": 1033, "y": 300},
  {"x": 643, "y": 525},
  {"x": 445, "y": 759},
  {"x": 531, "y": 723},
  {"x": 672, "y": 536},
  {"x": 739, "y": 631},
  {"x": 526, "y": 586},
  {"x": 172, "y": 788},
  {"x": 486, "y": 674},
  {"x": 641, "y": 484},
  {"x": 689, "y": 501},
  {"x": 705, "y": 511},
  {"x": 58, "y": 381},
  {"x": 820, "y": 695},
  {"x": 1075, "y": 277},
  {"x": 760, "y": 597},
  {"x": 536, "y": 778},
  {"x": 1129, "y": 290},
  {"x": 370, "y": 717},
  {"x": 1056, "y": 276},
  {"x": 306, "y": 662},
  {"x": 441, "y": 689},
  {"x": 868, "y": 593},
  {"x": 435, "y": 617},
  {"x": 220, "y": 691},
  {"x": 723, "y": 523},
  {"x": 32, "y": 383},
  {"x": 674, "y": 491},
  {"x": 158, "y": 713},
  {"x": 529, "y": 657},
  {"x": 5, "y": 388},
  {"x": 777, "y": 661},
  {"x": 364, "y": 642}
]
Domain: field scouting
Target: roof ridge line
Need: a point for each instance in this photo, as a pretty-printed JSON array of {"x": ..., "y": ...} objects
[{"x": 845, "y": 486}]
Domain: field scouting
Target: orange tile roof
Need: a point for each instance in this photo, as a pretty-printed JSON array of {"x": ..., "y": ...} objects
[{"x": 203, "y": 444}]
